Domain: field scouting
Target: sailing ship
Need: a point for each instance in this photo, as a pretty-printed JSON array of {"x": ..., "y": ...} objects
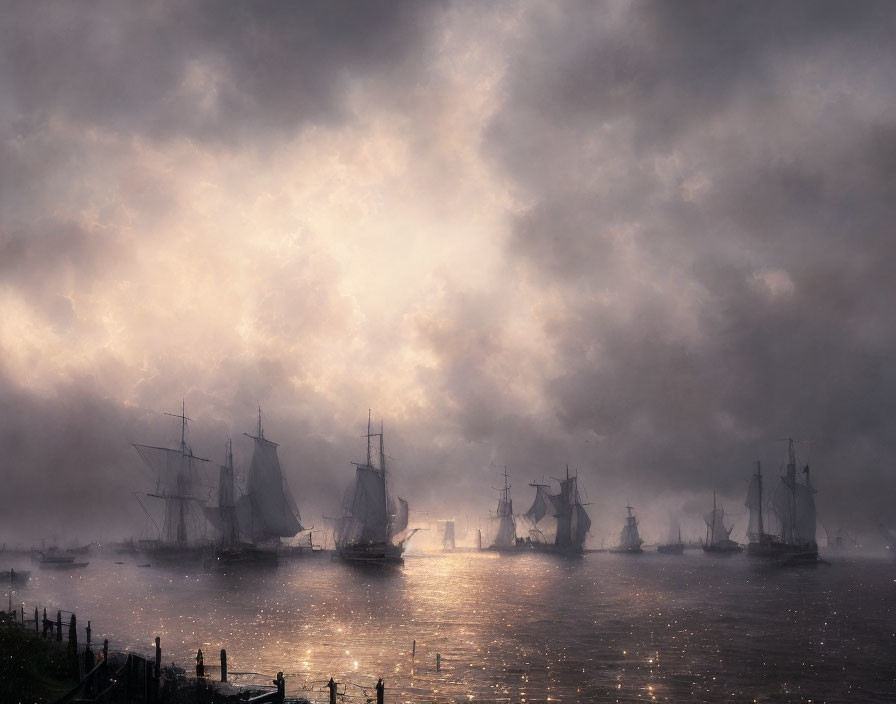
[
  {"x": 372, "y": 528},
  {"x": 505, "y": 536},
  {"x": 250, "y": 529},
  {"x": 182, "y": 536},
  {"x": 629, "y": 540},
  {"x": 448, "y": 537},
  {"x": 718, "y": 538},
  {"x": 672, "y": 547},
  {"x": 782, "y": 516},
  {"x": 559, "y": 519}
]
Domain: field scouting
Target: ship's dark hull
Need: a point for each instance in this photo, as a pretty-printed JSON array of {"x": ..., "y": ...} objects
[
  {"x": 627, "y": 551},
  {"x": 370, "y": 553},
  {"x": 767, "y": 548},
  {"x": 722, "y": 548},
  {"x": 173, "y": 554},
  {"x": 243, "y": 555},
  {"x": 672, "y": 549},
  {"x": 554, "y": 549}
]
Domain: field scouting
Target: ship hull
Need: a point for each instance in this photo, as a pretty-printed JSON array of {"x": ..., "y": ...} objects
[
  {"x": 243, "y": 555},
  {"x": 370, "y": 553},
  {"x": 627, "y": 551},
  {"x": 563, "y": 550},
  {"x": 783, "y": 552},
  {"x": 673, "y": 549},
  {"x": 723, "y": 548},
  {"x": 173, "y": 554}
]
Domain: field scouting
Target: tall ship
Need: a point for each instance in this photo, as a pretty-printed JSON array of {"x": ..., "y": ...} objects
[
  {"x": 629, "y": 540},
  {"x": 505, "y": 533},
  {"x": 179, "y": 477},
  {"x": 373, "y": 527},
  {"x": 718, "y": 535},
  {"x": 560, "y": 521},
  {"x": 674, "y": 546},
  {"x": 782, "y": 514},
  {"x": 250, "y": 529}
]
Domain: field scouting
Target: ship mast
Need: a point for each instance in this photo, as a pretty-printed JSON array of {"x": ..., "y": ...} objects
[{"x": 759, "y": 477}]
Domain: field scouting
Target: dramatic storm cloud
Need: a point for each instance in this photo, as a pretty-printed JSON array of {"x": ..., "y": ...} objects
[{"x": 646, "y": 240}]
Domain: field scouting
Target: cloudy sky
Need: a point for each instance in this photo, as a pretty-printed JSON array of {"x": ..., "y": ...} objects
[{"x": 645, "y": 239}]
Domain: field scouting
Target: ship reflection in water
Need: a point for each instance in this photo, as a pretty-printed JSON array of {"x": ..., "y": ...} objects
[{"x": 528, "y": 627}]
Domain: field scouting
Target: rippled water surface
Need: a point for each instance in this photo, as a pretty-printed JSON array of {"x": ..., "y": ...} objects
[{"x": 603, "y": 628}]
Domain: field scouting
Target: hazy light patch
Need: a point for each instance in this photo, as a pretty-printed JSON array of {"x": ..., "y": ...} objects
[{"x": 773, "y": 282}]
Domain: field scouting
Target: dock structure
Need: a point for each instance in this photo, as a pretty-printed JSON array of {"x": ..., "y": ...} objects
[{"x": 132, "y": 678}]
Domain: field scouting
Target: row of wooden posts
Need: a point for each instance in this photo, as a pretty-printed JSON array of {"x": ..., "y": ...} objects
[{"x": 47, "y": 626}]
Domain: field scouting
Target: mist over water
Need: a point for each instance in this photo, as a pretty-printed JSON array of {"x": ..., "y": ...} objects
[{"x": 528, "y": 627}]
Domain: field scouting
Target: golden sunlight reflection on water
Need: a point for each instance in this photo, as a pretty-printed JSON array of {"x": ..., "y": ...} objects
[{"x": 511, "y": 628}]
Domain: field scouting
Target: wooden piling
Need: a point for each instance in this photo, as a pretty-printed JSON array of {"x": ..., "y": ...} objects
[
  {"x": 158, "y": 656},
  {"x": 46, "y": 623},
  {"x": 281, "y": 688},
  {"x": 73, "y": 633},
  {"x": 331, "y": 685},
  {"x": 36, "y": 618},
  {"x": 438, "y": 662},
  {"x": 58, "y": 626},
  {"x": 223, "y": 665},
  {"x": 200, "y": 664},
  {"x": 380, "y": 691},
  {"x": 414, "y": 649},
  {"x": 105, "y": 650}
]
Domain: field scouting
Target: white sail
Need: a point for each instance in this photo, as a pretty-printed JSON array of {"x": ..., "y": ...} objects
[
  {"x": 629, "y": 538},
  {"x": 505, "y": 536},
  {"x": 401, "y": 520}
]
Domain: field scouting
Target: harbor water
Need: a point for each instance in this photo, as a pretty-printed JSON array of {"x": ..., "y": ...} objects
[{"x": 530, "y": 627}]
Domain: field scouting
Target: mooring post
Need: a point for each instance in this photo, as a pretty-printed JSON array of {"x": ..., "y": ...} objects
[
  {"x": 88, "y": 633},
  {"x": 127, "y": 677},
  {"x": 331, "y": 685},
  {"x": 45, "y": 622},
  {"x": 223, "y": 665},
  {"x": 158, "y": 656},
  {"x": 438, "y": 662},
  {"x": 380, "y": 691},
  {"x": 58, "y": 626},
  {"x": 200, "y": 664},
  {"x": 23, "y": 614},
  {"x": 36, "y": 618},
  {"x": 73, "y": 633},
  {"x": 414, "y": 649},
  {"x": 105, "y": 650},
  {"x": 281, "y": 687}
]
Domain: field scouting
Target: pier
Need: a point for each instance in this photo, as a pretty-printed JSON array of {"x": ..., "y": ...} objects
[{"x": 49, "y": 661}]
